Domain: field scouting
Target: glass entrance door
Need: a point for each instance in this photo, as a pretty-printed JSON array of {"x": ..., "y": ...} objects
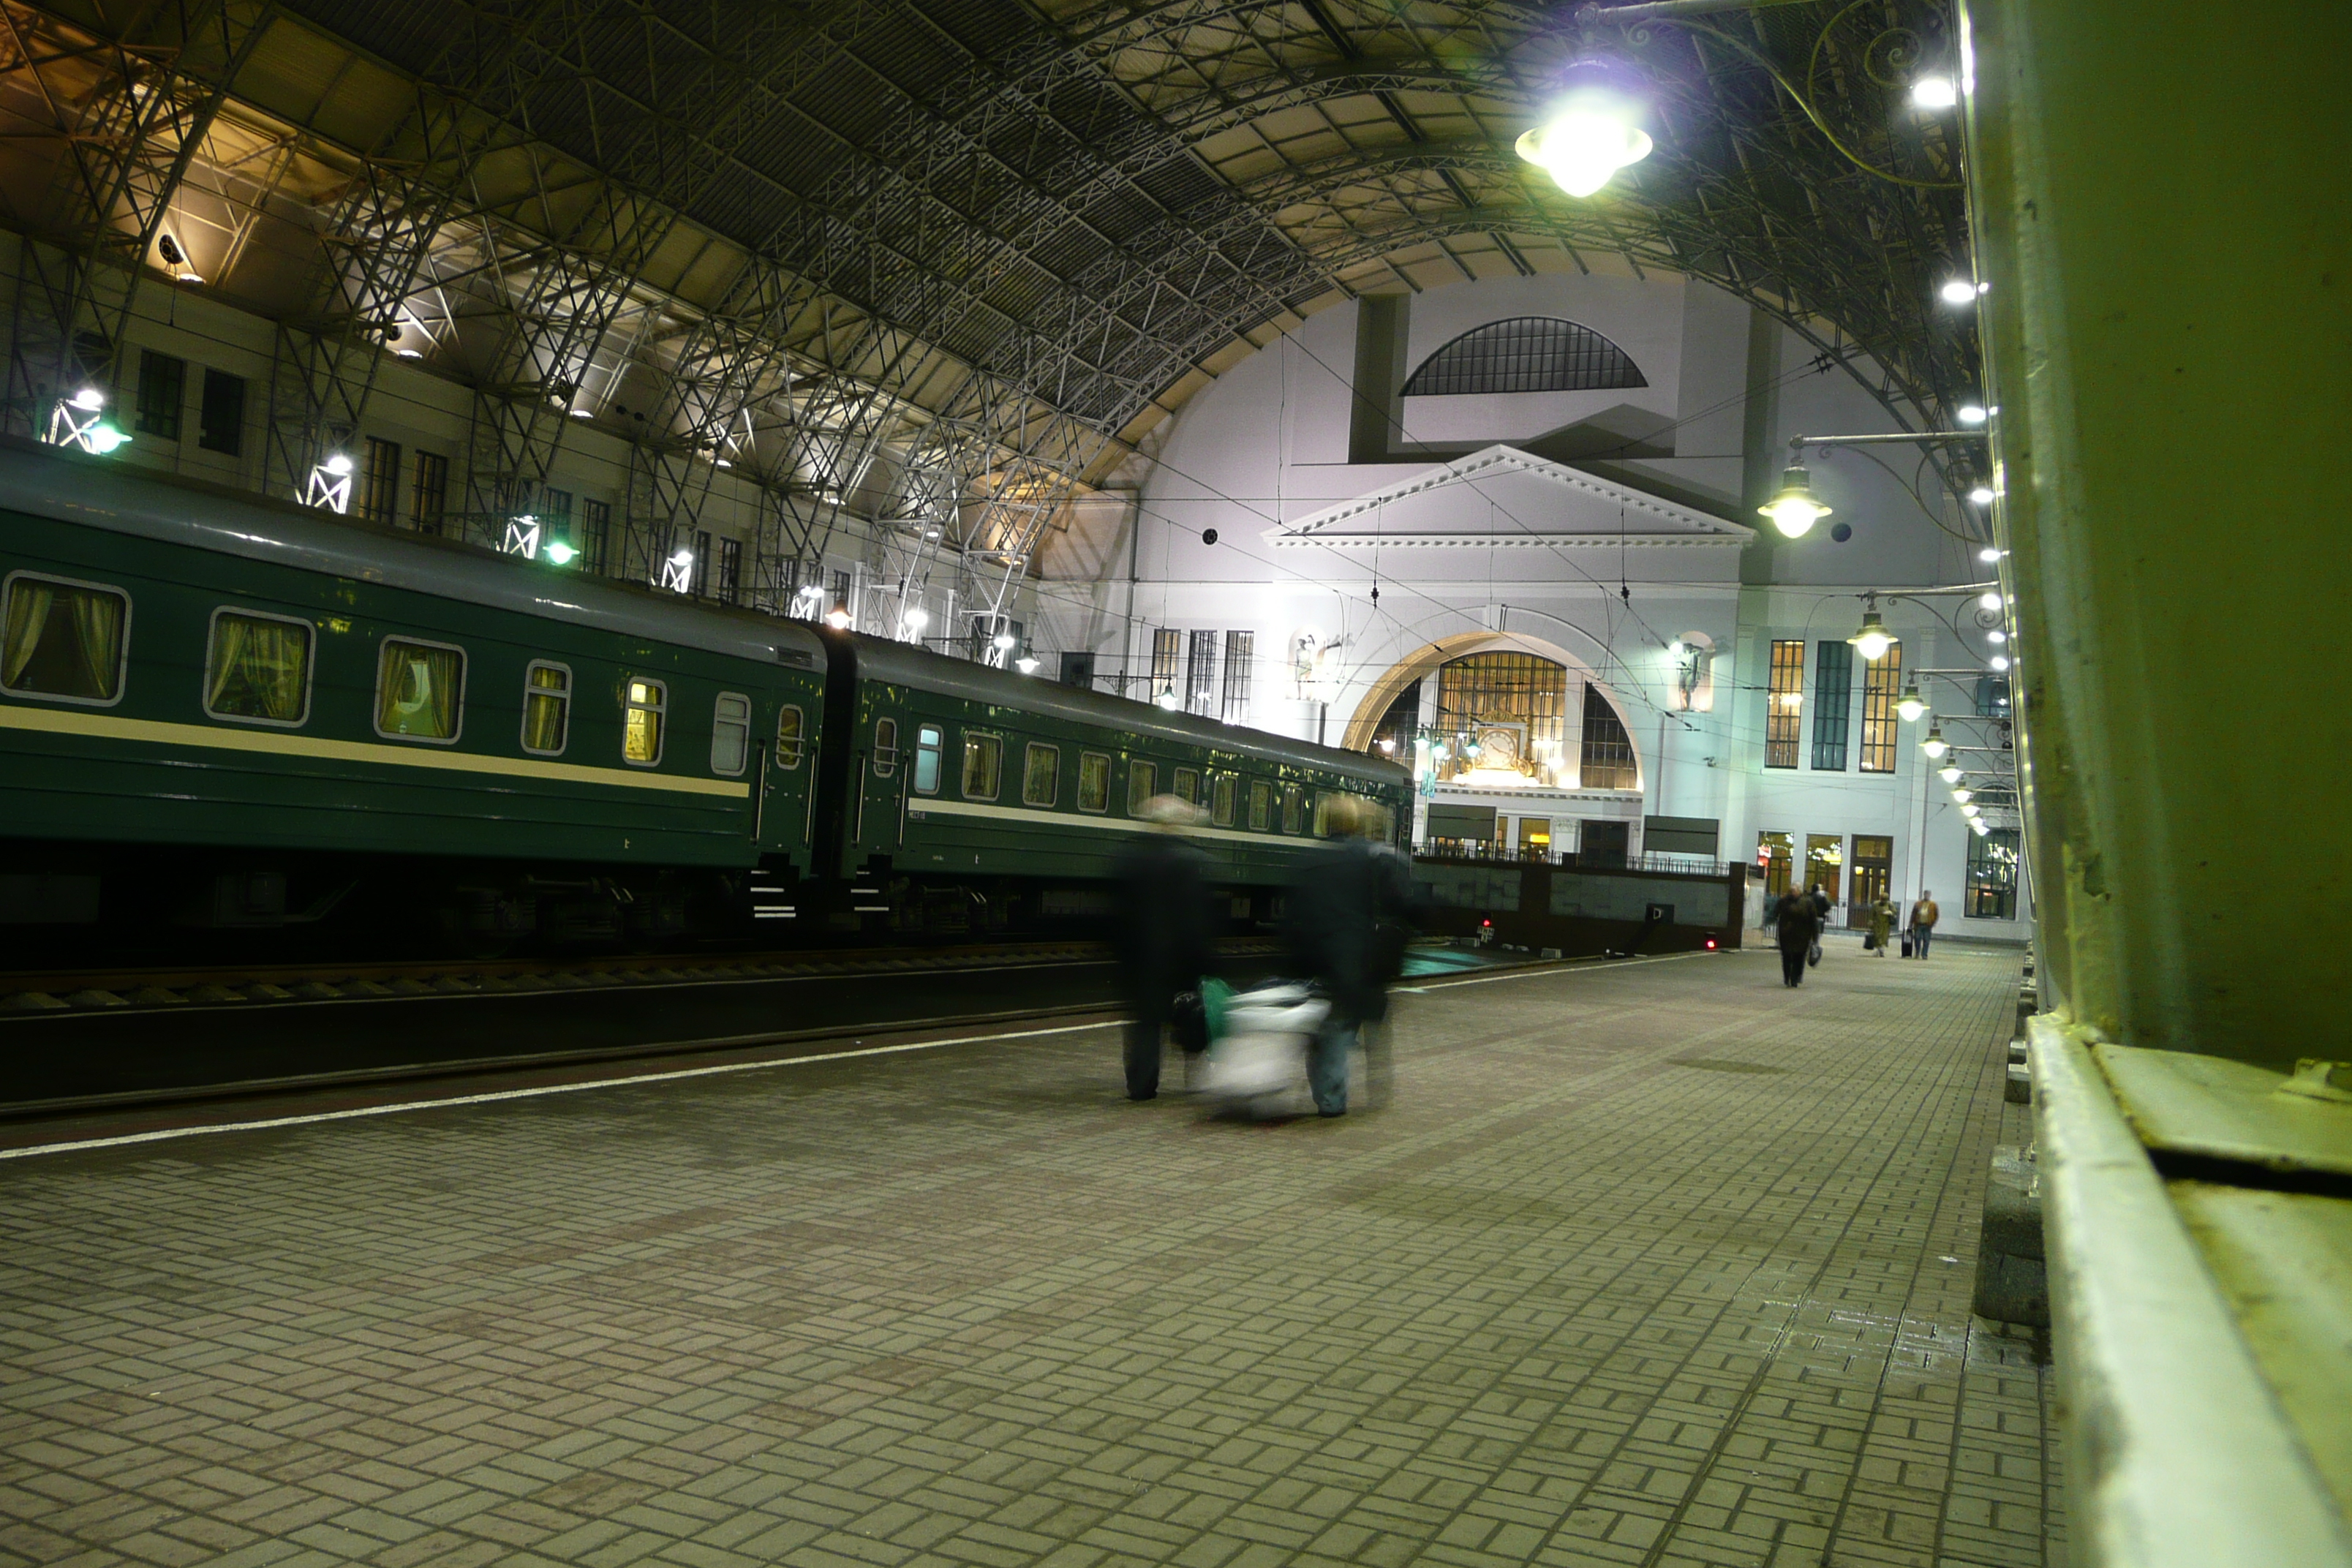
[
  {"x": 1773, "y": 852},
  {"x": 1873, "y": 867},
  {"x": 1824, "y": 860}
]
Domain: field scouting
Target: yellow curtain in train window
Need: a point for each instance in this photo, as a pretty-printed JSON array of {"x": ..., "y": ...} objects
[
  {"x": 416, "y": 691},
  {"x": 546, "y": 709},
  {"x": 260, "y": 669},
  {"x": 63, "y": 641}
]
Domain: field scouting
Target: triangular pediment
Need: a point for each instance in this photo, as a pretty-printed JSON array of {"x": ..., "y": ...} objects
[{"x": 1499, "y": 496}]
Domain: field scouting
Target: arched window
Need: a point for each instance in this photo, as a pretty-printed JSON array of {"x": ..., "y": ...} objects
[{"x": 1525, "y": 354}]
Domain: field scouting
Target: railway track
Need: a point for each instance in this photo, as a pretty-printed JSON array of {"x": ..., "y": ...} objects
[{"x": 35, "y": 994}]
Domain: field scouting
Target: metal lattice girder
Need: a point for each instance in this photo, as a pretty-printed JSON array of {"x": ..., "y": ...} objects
[{"x": 131, "y": 110}]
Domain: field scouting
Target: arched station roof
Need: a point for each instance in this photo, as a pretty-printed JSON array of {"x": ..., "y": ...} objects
[{"x": 958, "y": 253}]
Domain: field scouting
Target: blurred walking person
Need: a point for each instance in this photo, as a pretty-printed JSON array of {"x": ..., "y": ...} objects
[
  {"x": 1882, "y": 924},
  {"x": 1163, "y": 926},
  {"x": 1923, "y": 916},
  {"x": 1800, "y": 926},
  {"x": 1344, "y": 923}
]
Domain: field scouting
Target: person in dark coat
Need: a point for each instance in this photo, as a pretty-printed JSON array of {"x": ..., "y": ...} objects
[
  {"x": 1799, "y": 916},
  {"x": 1343, "y": 924},
  {"x": 1163, "y": 930}
]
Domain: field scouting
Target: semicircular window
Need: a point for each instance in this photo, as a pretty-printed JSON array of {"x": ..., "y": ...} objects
[{"x": 1525, "y": 354}]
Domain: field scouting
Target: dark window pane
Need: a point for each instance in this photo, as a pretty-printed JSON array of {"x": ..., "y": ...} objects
[
  {"x": 429, "y": 499},
  {"x": 221, "y": 424},
  {"x": 1832, "y": 704},
  {"x": 163, "y": 380},
  {"x": 1526, "y": 353}
]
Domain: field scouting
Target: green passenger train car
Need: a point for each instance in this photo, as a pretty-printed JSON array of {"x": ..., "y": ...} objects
[
  {"x": 965, "y": 794},
  {"x": 258, "y": 711}
]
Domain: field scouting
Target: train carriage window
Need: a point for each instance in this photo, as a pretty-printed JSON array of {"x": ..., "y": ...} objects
[
  {"x": 65, "y": 639},
  {"x": 1291, "y": 812},
  {"x": 1041, "y": 774},
  {"x": 644, "y": 705},
  {"x": 1094, "y": 782},
  {"x": 257, "y": 668},
  {"x": 984, "y": 760},
  {"x": 731, "y": 734},
  {"x": 1140, "y": 777},
  {"x": 886, "y": 750},
  {"x": 1222, "y": 791},
  {"x": 420, "y": 690},
  {"x": 1261, "y": 807},
  {"x": 1187, "y": 786},
  {"x": 791, "y": 727},
  {"x": 546, "y": 708},
  {"x": 927, "y": 759}
]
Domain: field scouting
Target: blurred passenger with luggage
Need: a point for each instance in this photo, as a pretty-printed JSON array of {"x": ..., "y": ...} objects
[
  {"x": 1882, "y": 925},
  {"x": 1924, "y": 915},
  {"x": 1799, "y": 927},
  {"x": 1163, "y": 926},
  {"x": 1346, "y": 925}
]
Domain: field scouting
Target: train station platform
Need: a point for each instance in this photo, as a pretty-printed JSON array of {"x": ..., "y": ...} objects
[{"x": 1648, "y": 1263}]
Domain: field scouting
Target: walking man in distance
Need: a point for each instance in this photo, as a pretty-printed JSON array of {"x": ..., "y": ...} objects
[{"x": 1163, "y": 931}]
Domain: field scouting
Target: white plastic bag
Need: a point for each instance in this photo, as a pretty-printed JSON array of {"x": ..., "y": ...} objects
[{"x": 1257, "y": 1067}]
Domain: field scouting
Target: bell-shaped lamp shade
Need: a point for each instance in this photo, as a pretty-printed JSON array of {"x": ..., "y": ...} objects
[
  {"x": 1911, "y": 705},
  {"x": 1962, "y": 796},
  {"x": 1793, "y": 508},
  {"x": 1873, "y": 641},
  {"x": 1593, "y": 130},
  {"x": 1950, "y": 773},
  {"x": 1935, "y": 745}
]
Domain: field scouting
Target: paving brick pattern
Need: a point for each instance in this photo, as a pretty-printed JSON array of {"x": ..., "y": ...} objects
[{"x": 1656, "y": 1264}]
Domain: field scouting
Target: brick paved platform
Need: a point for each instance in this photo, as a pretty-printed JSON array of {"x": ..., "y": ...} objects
[{"x": 1657, "y": 1264}]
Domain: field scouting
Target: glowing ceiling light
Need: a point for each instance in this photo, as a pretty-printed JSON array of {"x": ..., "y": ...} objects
[
  {"x": 1911, "y": 705},
  {"x": 1873, "y": 639},
  {"x": 102, "y": 438},
  {"x": 583, "y": 414},
  {"x": 1971, "y": 811},
  {"x": 2000, "y": 661},
  {"x": 1595, "y": 132},
  {"x": 837, "y": 617},
  {"x": 1950, "y": 773},
  {"x": 1026, "y": 664},
  {"x": 338, "y": 465},
  {"x": 1934, "y": 92},
  {"x": 1988, "y": 555},
  {"x": 1963, "y": 796},
  {"x": 1973, "y": 414},
  {"x": 1991, "y": 599},
  {"x": 89, "y": 400},
  {"x": 1982, "y": 496},
  {"x": 1935, "y": 745},
  {"x": 918, "y": 618},
  {"x": 1996, "y": 636},
  {"x": 558, "y": 552},
  {"x": 1957, "y": 291},
  {"x": 1167, "y": 698},
  {"x": 1793, "y": 508},
  {"x": 410, "y": 354}
]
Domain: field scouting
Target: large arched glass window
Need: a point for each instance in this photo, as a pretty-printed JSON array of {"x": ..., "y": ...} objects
[
  {"x": 1525, "y": 354},
  {"x": 1501, "y": 719}
]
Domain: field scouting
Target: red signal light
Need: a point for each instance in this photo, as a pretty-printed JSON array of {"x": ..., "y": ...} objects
[{"x": 1710, "y": 944}]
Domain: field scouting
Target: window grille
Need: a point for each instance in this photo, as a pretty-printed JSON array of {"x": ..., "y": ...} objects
[
  {"x": 1502, "y": 712},
  {"x": 220, "y": 422},
  {"x": 1166, "y": 643},
  {"x": 1832, "y": 704},
  {"x": 1526, "y": 353},
  {"x": 1237, "y": 676},
  {"x": 595, "y": 535},
  {"x": 1783, "y": 704},
  {"x": 1881, "y": 682},
  {"x": 1201, "y": 674},
  {"x": 163, "y": 381},
  {"x": 429, "y": 496},
  {"x": 1991, "y": 893},
  {"x": 730, "y": 570},
  {"x": 1608, "y": 761},
  {"x": 380, "y": 489}
]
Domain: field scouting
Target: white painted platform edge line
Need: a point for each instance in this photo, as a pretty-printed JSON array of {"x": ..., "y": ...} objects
[
  {"x": 1539, "y": 973},
  {"x": 165, "y": 1133}
]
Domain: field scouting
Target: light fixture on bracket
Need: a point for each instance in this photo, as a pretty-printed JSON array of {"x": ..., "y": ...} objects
[
  {"x": 1935, "y": 745},
  {"x": 1794, "y": 507},
  {"x": 1593, "y": 130},
  {"x": 1911, "y": 705},
  {"x": 1873, "y": 639}
]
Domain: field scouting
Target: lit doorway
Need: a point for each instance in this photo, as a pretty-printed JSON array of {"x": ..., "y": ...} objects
[
  {"x": 1773, "y": 851},
  {"x": 1535, "y": 838},
  {"x": 1824, "y": 860},
  {"x": 1873, "y": 874}
]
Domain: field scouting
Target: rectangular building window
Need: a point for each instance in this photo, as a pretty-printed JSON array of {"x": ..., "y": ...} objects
[
  {"x": 595, "y": 540},
  {"x": 1993, "y": 697},
  {"x": 1078, "y": 670},
  {"x": 1832, "y": 704},
  {"x": 1608, "y": 760},
  {"x": 428, "y": 496},
  {"x": 1167, "y": 651},
  {"x": 700, "y": 583},
  {"x": 1991, "y": 893},
  {"x": 220, "y": 423},
  {"x": 379, "y": 482},
  {"x": 1201, "y": 674},
  {"x": 162, "y": 382},
  {"x": 1774, "y": 853},
  {"x": 1881, "y": 683},
  {"x": 1783, "y": 704},
  {"x": 730, "y": 570},
  {"x": 1238, "y": 655}
]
